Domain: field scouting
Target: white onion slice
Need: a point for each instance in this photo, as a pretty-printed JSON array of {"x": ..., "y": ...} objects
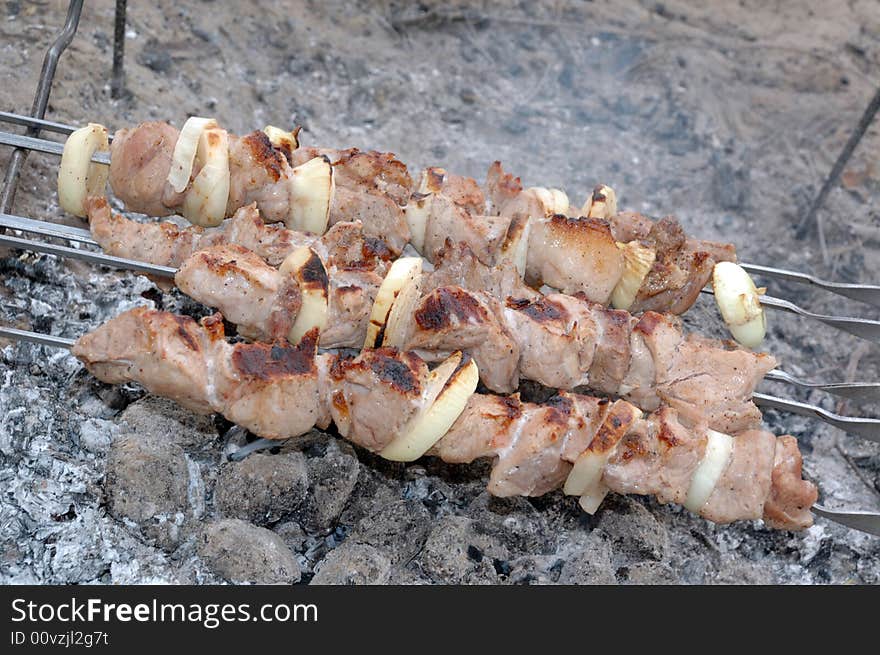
[
  {"x": 185, "y": 151},
  {"x": 205, "y": 202},
  {"x": 305, "y": 264},
  {"x": 602, "y": 203},
  {"x": 447, "y": 393},
  {"x": 585, "y": 477},
  {"x": 404, "y": 273},
  {"x": 417, "y": 212},
  {"x": 637, "y": 263},
  {"x": 515, "y": 247},
  {"x": 282, "y": 138},
  {"x": 78, "y": 176},
  {"x": 718, "y": 450},
  {"x": 739, "y": 302},
  {"x": 554, "y": 201},
  {"x": 311, "y": 193}
]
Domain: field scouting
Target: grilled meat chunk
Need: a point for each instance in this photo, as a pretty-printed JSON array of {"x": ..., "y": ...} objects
[
  {"x": 450, "y": 319},
  {"x": 701, "y": 378},
  {"x": 374, "y": 396},
  {"x": 270, "y": 389},
  {"x": 791, "y": 497},
  {"x": 140, "y": 159},
  {"x": 261, "y": 302},
  {"x": 168, "y": 245}
]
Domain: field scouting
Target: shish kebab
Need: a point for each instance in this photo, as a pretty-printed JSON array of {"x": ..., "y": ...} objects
[
  {"x": 206, "y": 174},
  {"x": 342, "y": 285},
  {"x": 389, "y": 402}
]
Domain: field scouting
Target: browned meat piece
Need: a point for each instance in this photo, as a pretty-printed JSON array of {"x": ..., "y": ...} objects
[
  {"x": 450, "y": 318},
  {"x": 585, "y": 421},
  {"x": 531, "y": 464},
  {"x": 457, "y": 266},
  {"x": 657, "y": 457},
  {"x": 630, "y": 226},
  {"x": 744, "y": 485},
  {"x": 719, "y": 252},
  {"x": 701, "y": 377},
  {"x": 271, "y": 390},
  {"x": 169, "y": 245},
  {"x": 264, "y": 304},
  {"x": 352, "y": 293},
  {"x": 791, "y": 497},
  {"x": 673, "y": 285},
  {"x": 448, "y": 221},
  {"x": 483, "y": 429},
  {"x": 248, "y": 229},
  {"x": 463, "y": 191},
  {"x": 261, "y": 302},
  {"x": 344, "y": 246},
  {"x": 557, "y": 337},
  {"x": 574, "y": 256},
  {"x": 505, "y": 196},
  {"x": 258, "y": 173},
  {"x": 613, "y": 356},
  {"x": 665, "y": 237},
  {"x": 140, "y": 159},
  {"x": 374, "y": 395},
  {"x": 162, "y": 351},
  {"x": 679, "y": 272},
  {"x": 382, "y": 218},
  {"x": 363, "y": 170},
  {"x": 156, "y": 243}
]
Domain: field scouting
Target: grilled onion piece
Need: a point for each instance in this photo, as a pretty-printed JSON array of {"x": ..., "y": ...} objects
[
  {"x": 585, "y": 477},
  {"x": 282, "y": 138},
  {"x": 718, "y": 450},
  {"x": 417, "y": 211},
  {"x": 311, "y": 192},
  {"x": 185, "y": 150},
  {"x": 602, "y": 203},
  {"x": 739, "y": 302},
  {"x": 555, "y": 201},
  {"x": 446, "y": 394},
  {"x": 401, "y": 285},
  {"x": 311, "y": 276},
  {"x": 515, "y": 247},
  {"x": 205, "y": 202},
  {"x": 637, "y": 263},
  {"x": 78, "y": 176}
]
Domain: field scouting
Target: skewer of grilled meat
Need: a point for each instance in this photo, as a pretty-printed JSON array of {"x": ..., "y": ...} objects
[
  {"x": 282, "y": 390},
  {"x": 570, "y": 249}
]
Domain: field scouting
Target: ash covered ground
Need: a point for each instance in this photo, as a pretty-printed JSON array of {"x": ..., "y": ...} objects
[{"x": 726, "y": 115}]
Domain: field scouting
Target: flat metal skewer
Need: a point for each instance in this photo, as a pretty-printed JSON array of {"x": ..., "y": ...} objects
[
  {"x": 859, "y": 391},
  {"x": 44, "y": 145},
  {"x": 47, "y": 229},
  {"x": 867, "y": 428},
  {"x": 856, "y": 519},
  {"x": 88, "y": 256},
  {"x": 866, "y": 293}
]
